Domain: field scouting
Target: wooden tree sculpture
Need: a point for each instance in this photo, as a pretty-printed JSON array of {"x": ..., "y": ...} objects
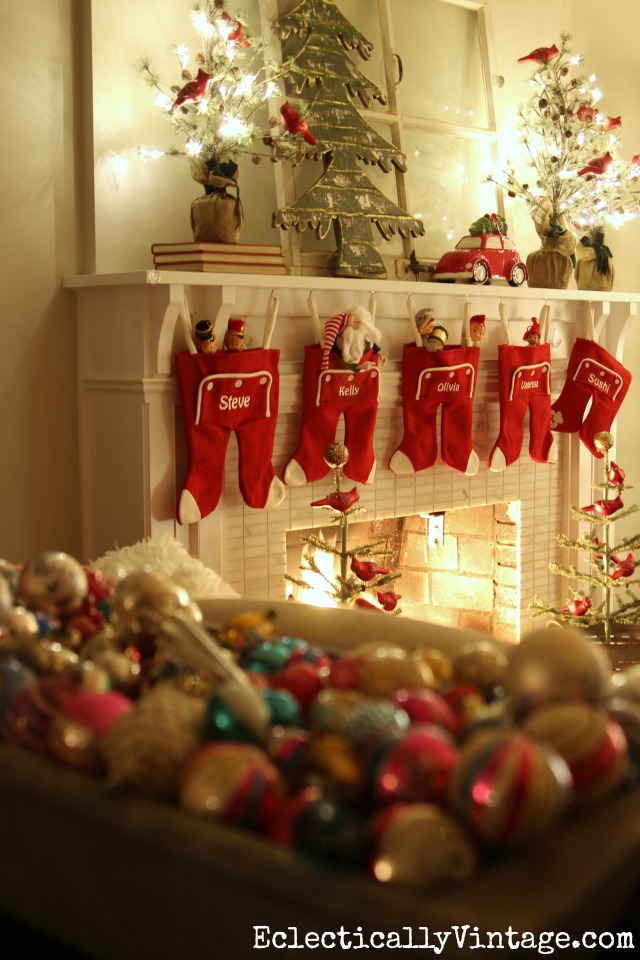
[{"x": 343, "y": 196}]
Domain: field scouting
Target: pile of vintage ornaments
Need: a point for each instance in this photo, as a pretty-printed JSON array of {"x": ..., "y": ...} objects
[{"x": 415, "y": 765}]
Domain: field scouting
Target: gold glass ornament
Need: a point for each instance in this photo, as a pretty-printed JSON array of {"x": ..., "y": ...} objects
[
  {"x": 18, "y": 628},
  {"x": 421, "y": 844},
  {"x": 603, "y": 441},
  {"x": 147, "y": 747},
  {"x": 556, "y": 663},
  {"x": 439, "y": 662},
  {"x": 54, "y": 584},
  {"x": 330, "y": 763},
  {"x": 384, "y": 675},
  {"x": 336, "y": 455},
  {"x": 586, "y": 738},
  {"x": 142, "y": 599},
  {"x": 480, "y": 663}
]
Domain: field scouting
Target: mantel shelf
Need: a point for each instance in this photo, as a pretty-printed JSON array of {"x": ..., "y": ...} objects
[{"x": 340, "y": 284}]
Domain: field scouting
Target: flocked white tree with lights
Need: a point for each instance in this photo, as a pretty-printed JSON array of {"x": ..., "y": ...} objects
[
  {"x": 217, "y": 103},
  {"x": 576, "y": 173}
]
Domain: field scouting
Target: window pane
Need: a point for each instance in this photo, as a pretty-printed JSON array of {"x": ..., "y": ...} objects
[
  {"x": 445, "y": 188},
  {"x": 440, "y": 51}
]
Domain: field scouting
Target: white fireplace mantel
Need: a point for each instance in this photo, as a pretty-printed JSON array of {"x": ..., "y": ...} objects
[{"x": 132, "y": 451}]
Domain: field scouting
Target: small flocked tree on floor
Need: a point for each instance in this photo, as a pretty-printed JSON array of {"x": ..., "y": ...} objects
[
  {"x": 343, "y": 196},
  {"x": 611, "y": 566},
  {"x": 356, "y": 576}
]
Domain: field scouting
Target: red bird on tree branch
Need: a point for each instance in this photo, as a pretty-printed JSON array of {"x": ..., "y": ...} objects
[
  {"x": 293, "y": 122},
  {"x": 193, "y": 90},
  {"x": 541, "y": 55},
  {"x": 596, "y": 166}
]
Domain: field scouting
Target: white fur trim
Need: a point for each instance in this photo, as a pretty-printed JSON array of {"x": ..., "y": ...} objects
[
  {"x": 167, "y": 557},
  {"x": 553, "y": 452}
]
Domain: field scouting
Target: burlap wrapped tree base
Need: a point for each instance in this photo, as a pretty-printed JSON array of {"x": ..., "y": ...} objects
[
  {"x": 549, "y": 269},
  {"x": 588, "y": 277},
  {"x": 594, "y": 269},
  {"x": 551, "y": 266},
  {"x": 216, "y": 218}
]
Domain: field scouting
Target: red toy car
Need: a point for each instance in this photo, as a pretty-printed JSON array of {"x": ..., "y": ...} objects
[{"x": 480, "y": 258}]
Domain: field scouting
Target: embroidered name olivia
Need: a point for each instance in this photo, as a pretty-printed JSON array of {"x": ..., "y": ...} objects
[
  {"x": 351, "y": 391},
  {"x": 600, "y": 384},
  {"x": 228, "y": 402},
  {"x": 454, "y": 387}
]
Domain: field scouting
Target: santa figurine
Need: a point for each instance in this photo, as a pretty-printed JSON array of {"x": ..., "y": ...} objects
[
  {"x": 205, "y": 337},
  {"x": 234, "y": 336},
  {"x": 532, "y": 333},
  {"x": 351, "y": 341}
]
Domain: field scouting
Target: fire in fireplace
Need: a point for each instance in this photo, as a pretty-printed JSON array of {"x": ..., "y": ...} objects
[{"x": 466, "y": 574}]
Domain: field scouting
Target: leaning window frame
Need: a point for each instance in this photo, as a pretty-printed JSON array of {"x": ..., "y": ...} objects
[{"x": 306, "y": 262}]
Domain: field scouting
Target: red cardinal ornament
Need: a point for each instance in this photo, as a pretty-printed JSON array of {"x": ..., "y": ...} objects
[
  {"x": 193, "y": 90},
  {"x": 338, "y": 500},
  {"x": 624, "y": 568},
  {"x": 366, "y": 569},
  {"x": 596, "y": 166},
  {"x": 585, "y": 113},
  {"x": 577, "y": 607},
  {"x": 541, "y": 55},
  {"x": 598, "y": 543},
  {"x": 236, "y": 31},
  {"x": 294, "y": 122},
  {"x": 616, "y": 474},
  {"x": 361, "y": 602},
  {"x": 611, "y": 123},
  {"x": 635, "y": 159},
  {"x": 604, "y": 507},
  {"x": 388, "y": 600}
]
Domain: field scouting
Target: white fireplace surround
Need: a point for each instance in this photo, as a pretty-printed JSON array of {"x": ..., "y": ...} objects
[{"x": 133, "y": 455}]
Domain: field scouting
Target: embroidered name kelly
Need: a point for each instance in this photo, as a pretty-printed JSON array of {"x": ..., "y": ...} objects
[{"x": 351, "y": 391}]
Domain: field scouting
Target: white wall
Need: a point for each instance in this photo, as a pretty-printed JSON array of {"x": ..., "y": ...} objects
[
  {"x": 47, "y": 213},
  {"x": 41, "y": 241}
]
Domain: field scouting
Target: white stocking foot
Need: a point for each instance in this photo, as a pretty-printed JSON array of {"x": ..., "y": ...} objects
[{"x": 294, "y": 475}]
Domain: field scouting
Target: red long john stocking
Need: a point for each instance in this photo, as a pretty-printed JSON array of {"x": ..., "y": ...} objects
[
  {"x": 592, "y": 375},
  {"x": 524, "y": 383},
  {"x": 445, "y": 377},
  {"x": 340, "y": 377},
  {"x": 223, "y": 392}
]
